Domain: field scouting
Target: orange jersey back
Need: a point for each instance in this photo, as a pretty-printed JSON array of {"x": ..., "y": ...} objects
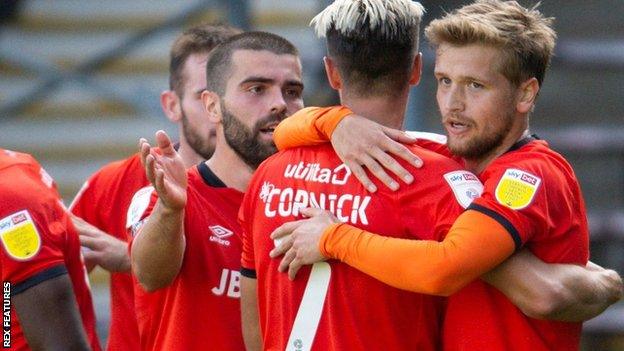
[
  {"x": 533, "y": 192},
  {"x": 39, "y": 242},
  {"x": 344, "y": 308}
]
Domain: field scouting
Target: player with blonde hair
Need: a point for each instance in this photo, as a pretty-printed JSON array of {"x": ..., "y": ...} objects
[
  {"x": 372, "y": 61},
  {"x": 491, "y": 57}
]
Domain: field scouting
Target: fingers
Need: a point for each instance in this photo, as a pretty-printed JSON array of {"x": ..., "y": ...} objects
[
  {"x": 285, "y": 229},
  {"x": 159, "y": 182},
  {"x": 359, "y": 172},
  {"x": 91, "y": 259},
  {"x": 400, "y": 136},
  {"x": 312, "y": 211},
  {"x": 293, "y": 268},
  {"x": 90, "y": 242},
  {"x": 378, "y": 171},
  {"x": 150, "y": 168},
  {"x": 388, "y": 162},
  {"x": 282, "y": 246},
  {"x": 403, "y": 152},
  {"x": 144, "y": 149},
  {"x": 287, "y": 261},
  {"x": 164, "y": 143}
]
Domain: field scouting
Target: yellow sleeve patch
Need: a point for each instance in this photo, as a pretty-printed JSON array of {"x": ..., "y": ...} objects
[
  {"x": 516, "y": 189},
  {"x": 19, "y": 236}
]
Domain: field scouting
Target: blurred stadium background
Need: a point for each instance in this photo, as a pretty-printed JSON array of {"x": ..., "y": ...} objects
[{"x": 80, "y": 80}]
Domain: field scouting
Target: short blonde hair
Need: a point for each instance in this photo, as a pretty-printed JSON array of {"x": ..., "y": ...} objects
[
  {"x": 372, "y": 42},
  {"x": 524, "y": 35}
]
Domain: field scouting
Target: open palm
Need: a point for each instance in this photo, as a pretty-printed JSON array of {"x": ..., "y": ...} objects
[{"x": 165, "y": 170}]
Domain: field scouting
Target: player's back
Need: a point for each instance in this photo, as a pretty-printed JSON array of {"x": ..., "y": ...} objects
[
  {"x": 39, "y": 241},
  {"x": 535, "y": 191},
  {"x": 356, "y": 311}
]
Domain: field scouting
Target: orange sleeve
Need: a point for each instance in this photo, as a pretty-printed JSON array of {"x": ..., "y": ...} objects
[
  {"x": 474, "y": 245},
  {"x": 309, "y": 126}
]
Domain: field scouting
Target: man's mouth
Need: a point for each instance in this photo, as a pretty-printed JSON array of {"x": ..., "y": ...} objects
[
  {"x": 269, "y": 128},
  {"x": 457, "y": 127}
]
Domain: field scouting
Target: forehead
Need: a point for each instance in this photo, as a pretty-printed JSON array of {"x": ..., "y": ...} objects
[
  {"x": 262, "y": 63},
  {"x": 475, "y": 60}
]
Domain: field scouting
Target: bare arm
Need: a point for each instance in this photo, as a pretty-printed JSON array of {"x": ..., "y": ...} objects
[
  {"x": 49, "y": 316},
  {"x": 158, "y": 250},
  {"x": 249, "y": 314},
  {"x": 563, "y": 292}
]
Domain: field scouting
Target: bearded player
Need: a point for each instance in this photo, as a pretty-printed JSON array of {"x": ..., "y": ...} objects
[
  {"x": 491, "y": 57},
  {"x": 104, "y": 198},
  {"x": 187, "y": 246},
  {"x": 332, "y": 306}
]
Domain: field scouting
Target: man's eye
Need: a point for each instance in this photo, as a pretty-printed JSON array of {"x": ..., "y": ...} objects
[
  {"x": 295, "y": 93},
  {"x": 444, "y": 81},
  {"x": 475, "y": 85},
  {"x": 256, "y": 89}
]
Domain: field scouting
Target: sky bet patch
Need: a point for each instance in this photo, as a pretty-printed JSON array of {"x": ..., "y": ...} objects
[
  {"x": 517, "y": 188},
  {"x": 19, "y": 236}
]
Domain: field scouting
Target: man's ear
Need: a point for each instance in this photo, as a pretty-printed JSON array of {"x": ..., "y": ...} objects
[
  {"x": 416, "y": 70},
  {"x": 333, "y": 76},
  {"x": 527, "y": 94},
  {"x": 212, "y": 105},
  {"x": 171, "y": 105}
]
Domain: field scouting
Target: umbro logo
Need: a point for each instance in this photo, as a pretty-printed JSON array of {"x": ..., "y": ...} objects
[{"x": 219, "y": 233}]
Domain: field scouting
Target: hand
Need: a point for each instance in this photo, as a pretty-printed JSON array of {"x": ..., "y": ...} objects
[
  {"x": 614, "y": 282},
  {"x": 105, "y": 250},
  {"x": 165, "y": 171},
  {"x": 610, "y": 279},
  {"x": 299, "y": 240},
  {"x": 360, "y": 142}
]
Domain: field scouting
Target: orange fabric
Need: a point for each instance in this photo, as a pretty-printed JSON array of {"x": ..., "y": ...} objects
[
  {"x": 474, "y": 245},
  {"x": 309, "y": 126}
]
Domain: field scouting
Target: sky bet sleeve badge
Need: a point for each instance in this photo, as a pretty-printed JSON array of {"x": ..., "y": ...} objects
[
  {"x": 20, "y": 237},
  {"x": 517, "y": 188}
]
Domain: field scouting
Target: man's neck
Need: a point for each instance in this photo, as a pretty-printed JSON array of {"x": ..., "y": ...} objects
[
  {"x": 477, "y": 165},
  {"x": 229, "y": 167},
  {"x": 388, "y": 111},
  {"x": 189, "y": 156}
]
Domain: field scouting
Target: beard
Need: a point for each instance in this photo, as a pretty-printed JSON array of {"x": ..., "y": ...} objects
[
  {"x": 483, "y": 143},
  {"x": 202, "y": 145},
  {"x": 246, "y": 141}
]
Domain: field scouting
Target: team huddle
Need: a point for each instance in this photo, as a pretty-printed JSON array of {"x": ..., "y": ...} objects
[{"x": 270, "y": 226}]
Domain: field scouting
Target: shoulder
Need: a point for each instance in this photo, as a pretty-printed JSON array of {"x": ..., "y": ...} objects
[
  {"x": 441, "y": 176},
  {"x": 535, "y": 160},
  {"x": 10, "y": 158},
  {"x": 428, "y": 137},
  {"x": 21, "y": 176}
]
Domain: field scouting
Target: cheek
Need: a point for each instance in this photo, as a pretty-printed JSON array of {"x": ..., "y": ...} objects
[
  {"x": 441, "y": 100},
  {"x": 295, "y": 105}
]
